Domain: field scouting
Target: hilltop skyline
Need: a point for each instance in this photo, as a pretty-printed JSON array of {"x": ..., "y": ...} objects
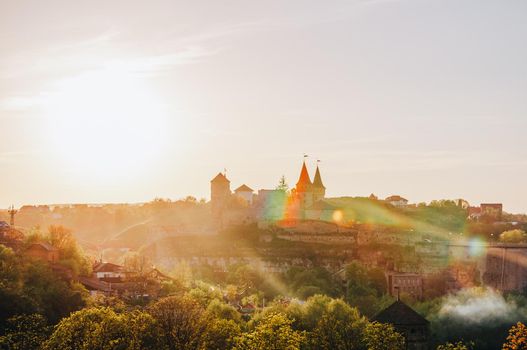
[{"x": 118, "y": 102}]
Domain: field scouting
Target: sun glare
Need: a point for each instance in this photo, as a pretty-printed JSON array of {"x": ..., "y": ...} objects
[{"x": 106, "y": 124}]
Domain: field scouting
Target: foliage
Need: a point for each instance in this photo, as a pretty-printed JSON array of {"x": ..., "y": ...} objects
[
  {"x": 70, "y": 254},
  {"x": 102, "y": 328},
  {"x": 365, "y": 288},
  {"x": 305, "y": 283},
  {"x": 282, "y": 184},
  {"x": 274, "y": 332},
  {"x": 219, "y": 309},
  {"x": 340, "y": 327},
  {"x": 517, "y": 338},
  {"x": 380, "y": 336},
  {"x": 456, "y": 346},
  {"x": 243, "y": 275},
  {"x": 221, "y": 334},
  {"x": 54, "y": 297},
  {"x": 182, "y": 321},
  {"x": 28, "y": 286},
  {"x": 204, "y": 294},
  {"x": 442, "y": 214},
  {"x": 25, "y": 332},
  {"x": 514, "y": 236}
]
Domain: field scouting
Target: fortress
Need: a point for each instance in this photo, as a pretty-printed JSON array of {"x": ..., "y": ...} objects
[{"x": 268, "y": 205}]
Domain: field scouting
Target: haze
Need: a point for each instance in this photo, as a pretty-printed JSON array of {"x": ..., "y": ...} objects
[{"x": 120, "y": 101}]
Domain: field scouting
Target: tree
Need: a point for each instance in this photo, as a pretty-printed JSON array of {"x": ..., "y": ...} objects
[
  {"x": 219, "y": 309},
  {"x": 341, "y": 327},
  {"x": 379, "y": 336},
  {"x": 12, "y": 299},
  {"x": 28, "y": 286},
  {"x": 25, "y": 332},
  {"x": 517, "y": 338},
  {"x": 243, "y": 275},
  {"x": 514, "y": 236},
  {"x": 143, "y": 331},
  {"x": 456, "y": 346},
  {"x": 274, "y": 332},
  {"x": 138, "y": 268},
  {"x": 358, "y": 280},
  {"x": 69, "y": 251},
  {"x": 365, "y": 287},
  {"x": 282, "y": 184},
  {"x": 182, "y": 321},
  {"x": 61, "y": 237},
  {"x": 203, "y": 294},
  {"x": 53, "y": 297},
  {"x": 221, "y": 334},
  {"x": 305, "y": 283},
  {"x": 102, "y": 328}
]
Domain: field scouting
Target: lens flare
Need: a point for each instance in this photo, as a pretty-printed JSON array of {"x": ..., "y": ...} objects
[
  {"x": 337, "y": 216},
  {"x": 476, "y": 247}
]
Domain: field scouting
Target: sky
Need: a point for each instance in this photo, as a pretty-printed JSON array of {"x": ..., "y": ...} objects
[{"x": 125, "y": 101}]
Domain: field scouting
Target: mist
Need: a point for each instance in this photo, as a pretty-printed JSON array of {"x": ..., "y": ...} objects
[{"x": 481, "y": 315}]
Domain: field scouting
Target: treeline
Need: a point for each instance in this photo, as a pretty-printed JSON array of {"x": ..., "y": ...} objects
[{"x": 201, "y": 320}]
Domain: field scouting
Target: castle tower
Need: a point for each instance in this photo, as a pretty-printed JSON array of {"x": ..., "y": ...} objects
[
  {"x": 220, "y": 192},
  {"x": 304, "y": 188},
  {"x": 319, "y": 191}
]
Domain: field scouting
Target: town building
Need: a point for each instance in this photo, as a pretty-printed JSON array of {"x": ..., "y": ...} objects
[
  {"x": 486, "y": 211},
  {"x": 108, "y": 272},
  {"x": 413, "y": 327},
  {"x": 474, "y": 213},
  {"x": 397, "y": 201},
  {"x": 492, "y": 210},
  {"x": 406, "y": 283},
  {"x": 42, "y": 251},
  {"x": 245, "y": 193}
]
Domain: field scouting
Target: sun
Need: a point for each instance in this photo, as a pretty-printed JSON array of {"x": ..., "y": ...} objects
[{"x": 106, "y": 124}]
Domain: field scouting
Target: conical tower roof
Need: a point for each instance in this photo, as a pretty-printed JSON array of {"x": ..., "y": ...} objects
[
  {"x": 304, "y": 181},
  {"x": 317, "y": 181}
]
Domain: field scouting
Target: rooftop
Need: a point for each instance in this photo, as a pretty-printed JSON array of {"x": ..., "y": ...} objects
[
  {"x": 43, "y": 245},
  {"x": 396, "y": 198},
  {"x": 243, "y": 188},
  {"x": 317, "y": 181},
  {"x": 220, "y": 178},
  {"x": 400, "y": 314},
  {"x": 107, "y": 267},
  {"x": 303, "y": 181}
]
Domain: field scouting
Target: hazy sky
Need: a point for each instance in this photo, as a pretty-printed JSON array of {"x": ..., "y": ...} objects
[{"x": 123, "y": 101}]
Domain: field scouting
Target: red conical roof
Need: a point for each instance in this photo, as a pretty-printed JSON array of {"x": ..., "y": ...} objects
[{"x": 303, "y": 181}]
